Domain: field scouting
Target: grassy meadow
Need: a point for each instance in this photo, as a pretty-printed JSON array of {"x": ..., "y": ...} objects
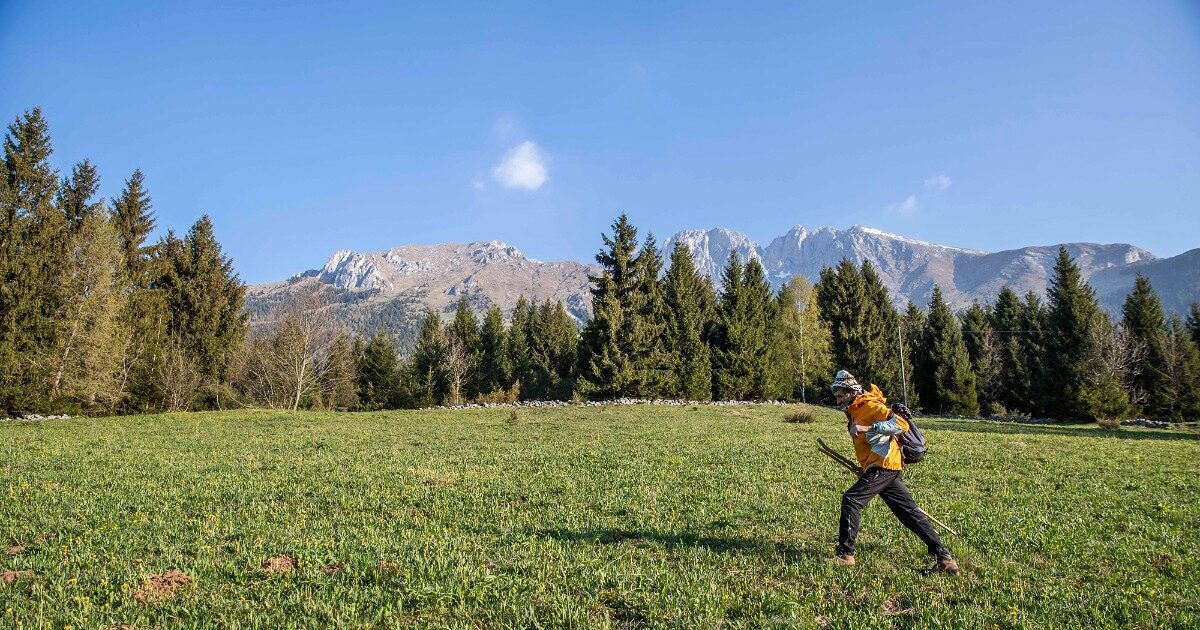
[{"x": 615, "y": 516}]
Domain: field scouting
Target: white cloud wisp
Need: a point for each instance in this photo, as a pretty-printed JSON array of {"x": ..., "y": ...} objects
[{"x": 522, "y": 167}]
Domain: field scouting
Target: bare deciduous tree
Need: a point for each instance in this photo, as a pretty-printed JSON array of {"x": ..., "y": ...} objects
[{"x": 457, "y": 362}]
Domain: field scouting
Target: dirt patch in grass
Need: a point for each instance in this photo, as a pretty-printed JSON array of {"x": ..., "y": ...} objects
[
  {"x": 330, "y": 569},
  {"x": 388, "y": 565},
  {"x": 279, "y": 564},
  {"x": 15, "y": 550},
  {"x": 893, "y": 607},
  {"x": 8, "y": 577},
  {"x": 162, "y": 586}
]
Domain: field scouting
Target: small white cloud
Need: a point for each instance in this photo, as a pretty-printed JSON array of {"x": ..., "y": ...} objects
[
  {"x": 938, "y": 183},
  {"x": 478, "y": 184},
  {"x": 522, "y": 167},
  {"x": 507, "y": 128},
  {"x": 904, "y": 208}
]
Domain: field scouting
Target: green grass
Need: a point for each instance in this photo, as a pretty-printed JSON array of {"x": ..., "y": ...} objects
[{"x": 613, "y": 516}]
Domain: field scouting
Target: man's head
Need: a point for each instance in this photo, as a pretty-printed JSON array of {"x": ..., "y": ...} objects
[{"x": 845, "y": 388}]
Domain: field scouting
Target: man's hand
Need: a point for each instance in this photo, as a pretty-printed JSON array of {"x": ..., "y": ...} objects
[{"x": 852, "y": 429}]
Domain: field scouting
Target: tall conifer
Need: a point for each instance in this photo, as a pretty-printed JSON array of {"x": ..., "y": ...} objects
[
  {"x": 1145, "y": 324},
  {"x": 684, "y": 294},
  {"x": 952, "y": 381}
]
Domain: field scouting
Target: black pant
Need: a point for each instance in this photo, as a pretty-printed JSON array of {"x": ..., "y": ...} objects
[{"x": 889, "y": 485}]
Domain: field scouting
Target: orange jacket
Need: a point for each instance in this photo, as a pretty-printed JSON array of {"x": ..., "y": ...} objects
[{"x": 867, "y": 410}]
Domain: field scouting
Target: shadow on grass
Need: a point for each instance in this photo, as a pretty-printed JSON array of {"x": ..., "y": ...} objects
[
  {"x": 1080, "y": 430},
  {"x": 786, "y": 551}
]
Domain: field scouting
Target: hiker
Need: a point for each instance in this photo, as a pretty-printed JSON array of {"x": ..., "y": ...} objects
[{"x": 873, "y": 429}]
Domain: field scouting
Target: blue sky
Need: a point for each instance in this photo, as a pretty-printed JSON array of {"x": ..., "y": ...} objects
[{"x": 310, "y": 128}]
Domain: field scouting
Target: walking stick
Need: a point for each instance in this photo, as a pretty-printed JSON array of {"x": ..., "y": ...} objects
[{"x": 853, "y": 468}]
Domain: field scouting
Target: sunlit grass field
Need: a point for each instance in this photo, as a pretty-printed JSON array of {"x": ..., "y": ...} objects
[{"x": 616, "y": 516}]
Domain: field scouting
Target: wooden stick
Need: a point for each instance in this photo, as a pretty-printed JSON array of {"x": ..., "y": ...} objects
[{"x": 853, "y": 468}]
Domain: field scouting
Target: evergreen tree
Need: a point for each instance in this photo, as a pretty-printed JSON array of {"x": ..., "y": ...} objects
[
  {"x": 841, "y": 296},
  {"x": 553, "y": 339},
  {"x": 378, "y": 373},
  {"x": 519, "y": 350},
  {"x": 1193, "y": 322},
  {"x": 465, "y": 330},
  {"x": 32, "y": 259},
  {"x": 204, "y": 299},
  {"x": 75, "y": 195},
  {"x": 684, "y": 295},
  {"x": 1183, "y": 373},
  {"x": 606, "y": 361},
  {"x": 1039, "y": 389},
  {"x": 882, "y": 333},
  {"x": 951, "y": 382},
  {"x": 740, "y": 354},
  {"x": 134, "y": 220},
  {"x": 340, "y": 386},
  {"x": 1078, "y": 385},
  {"x": 1145, "y": 325},
  {"x": 428, "y": 357},
  {"x": 1006, "y": 321},
  {"x": 652, "y": 372},
  {"x": 981, "y": 349},
  {"x": 495, "y": 369},
  {"x": 921, "y": 371}
]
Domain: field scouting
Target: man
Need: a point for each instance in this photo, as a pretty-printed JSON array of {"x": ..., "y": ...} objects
[{"x": 873, "y": 429}]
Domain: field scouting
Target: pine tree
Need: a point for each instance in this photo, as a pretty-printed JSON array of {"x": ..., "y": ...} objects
[
  {"x": 740, "y": 354},
  {"x": 1040, "y": 391},
  {"x": 32, "y": 259},
  {"x": 841, "y": 296},
  {"x": 134, "y": 221},
  {"x": 553, "y": 339},
  {"x": 519, "y": 350},
  {"x": 1006, "y": 323},
  {"x": 204, "y": 300},
  {"x": 465, "y": 330},
  {"x": 684, "y": 294},
  {"x": 378, "y": 373},
  {"x": 1145, "y": 325},
  {"x": 1193, "y": 322},
  {"x": 1183, "y": 373},
  {"x": 646, "y": 325},
  {"x": 606, "y": 362},
  {"x": 339, "y": 375},
  {"x": 495, "y": 369},
  {"x": 1076, "y": 382},
  {"x": 428, "y": 357},
  {"x": 952, "y": 383},
  {"x": 882, "y": 333},
  {"x": 75, "y": 195},
  {"x": 921, "y": 370},
  {"x": 981, "y": 348}
]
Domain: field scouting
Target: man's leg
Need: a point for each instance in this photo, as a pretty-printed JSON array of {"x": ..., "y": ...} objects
[
  {"x": 900, "y": 501},
  {"x": 854, "y": 500}
]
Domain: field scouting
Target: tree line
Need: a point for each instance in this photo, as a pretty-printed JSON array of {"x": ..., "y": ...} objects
[{"x": 95, "y": 319}]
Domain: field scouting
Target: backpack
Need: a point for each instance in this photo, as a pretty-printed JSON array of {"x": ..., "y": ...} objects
[{"x": 912, "y": 442}]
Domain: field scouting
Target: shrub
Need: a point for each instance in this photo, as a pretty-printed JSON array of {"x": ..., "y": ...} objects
[{"x": 803, "y": 417}]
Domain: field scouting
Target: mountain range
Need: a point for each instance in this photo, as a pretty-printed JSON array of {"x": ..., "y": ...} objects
[{"x": 390, "y": 289}]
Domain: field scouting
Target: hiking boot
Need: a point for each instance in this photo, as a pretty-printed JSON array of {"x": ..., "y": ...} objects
[
  {"x": 945, "y": 564},
  {"x": 844, "y": 559}
]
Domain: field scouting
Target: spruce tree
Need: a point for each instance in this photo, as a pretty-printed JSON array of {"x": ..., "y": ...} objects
[
  {"x": 134, "y": 221},
  {"x": 519, "y": 349},
  {"x": 684, "y": 294},
  {"x": 1145, "y": 325},
  {"x": 339, "y": 375},
  {"x": 1005, "y": 324},
  {"x": 841, "y": 296},
  {"x": 378, "y": 373},
  {"x": 1193, "y": 322},
  {"x": 204, "y": 300},
  {"x": 606, "y": 362},
  {"x": 882, "y": 333},
  {"x": 951, "y": 382},
  {"x": 75, "y": 195},
  {"x": 1077, "y": 385},
  {"x": 553, "y": 343},
  {"x": 645, "y": 328},
  {"x": 981, "y": 348},
  {"x": 495, "y": 369},
  {"x": 1183, "y": 372},
  {"x": 428, "y": 356},
  {"x": 32, "y": 260},
  {"x": 466, "y": 331},
  {"x": 920, "y": 372},
  {"x": 1039, "y": 389},
  {"x": 740, "y": 355}
]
